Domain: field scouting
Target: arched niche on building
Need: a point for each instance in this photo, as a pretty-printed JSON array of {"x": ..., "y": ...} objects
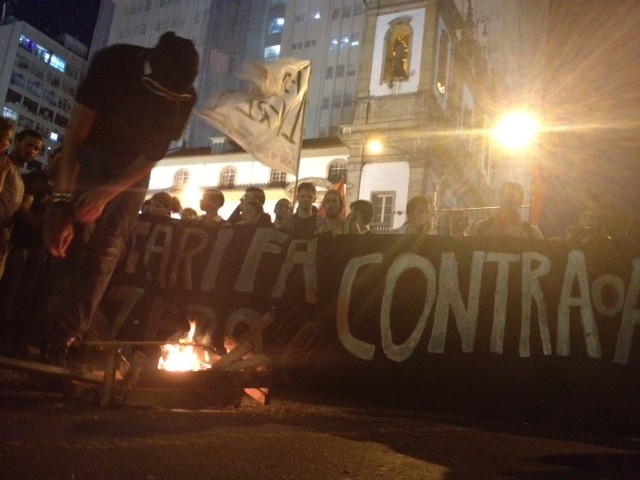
[{"x": 397, "y": 51}]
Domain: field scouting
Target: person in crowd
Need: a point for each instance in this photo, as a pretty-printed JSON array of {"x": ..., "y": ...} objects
[
  {"x": 251, "y": 194},
  {"x": 305, "y": 221},
  {"x": 26, "y": 257},
  {"x": 587, "y": 226},
  {"x": 6, "y": 139},
  {"x": 188, "y": 214},
  {"x": 27, "y": 145},
  {"x": 361, "y": 213},
  {"x": 163, "y": 204},
  {"x": 458, "y": 223},
  {"x": 334, "y": 221},
  {"x": 252, "y": 213},
  {"x": 6, "y": 170},
  {"x": 131, "y": 104},
  {"x": 282, "y": 211},
  {"x": 507, "y": 222},
  {"x": 212, "y": 200},
  {"x": 419, "y": 217}
]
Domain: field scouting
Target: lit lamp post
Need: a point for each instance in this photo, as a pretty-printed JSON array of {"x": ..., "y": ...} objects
[{"x": 517, "y": 131}]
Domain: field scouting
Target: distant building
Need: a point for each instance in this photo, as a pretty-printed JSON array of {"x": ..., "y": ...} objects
[
  {"x": 38, "y": 81},
  {"x": 185, "y": 173},
  {"x": 228, "y": 32}
]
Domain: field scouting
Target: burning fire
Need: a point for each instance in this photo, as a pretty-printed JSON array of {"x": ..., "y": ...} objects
[{"x": 185, "y": 355}]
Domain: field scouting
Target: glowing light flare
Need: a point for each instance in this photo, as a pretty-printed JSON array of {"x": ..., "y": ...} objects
[
  {"x": 191, "y": 194},
  {"x": 374, "y": 146},
  {"x": 516, "y": 130},
  {"x": 183, "y": 355}
]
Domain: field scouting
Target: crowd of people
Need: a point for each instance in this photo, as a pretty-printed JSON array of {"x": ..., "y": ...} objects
[{"x": 63, "y": 229}]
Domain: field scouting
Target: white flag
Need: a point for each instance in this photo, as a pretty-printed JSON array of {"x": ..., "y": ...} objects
[{"x": 267, "y": 119}]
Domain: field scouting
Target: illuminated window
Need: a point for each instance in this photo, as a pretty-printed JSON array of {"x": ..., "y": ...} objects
[
  {"x": 42, "y": 53},
  {"x": 228, "y": 177},
  {"x": 26, "y": 43},
  {"x": 10, "y": 114},
  {"x": 337, "y": 171},
  {"x": 181, "y": 178},
  {"x": 276, "y": 25},
  {"x": 272, "y": 53}
]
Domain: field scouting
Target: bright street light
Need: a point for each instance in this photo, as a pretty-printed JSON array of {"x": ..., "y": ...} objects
[
  {"x": 516, "y": 130},
  {"x": 374, "y": 146}
]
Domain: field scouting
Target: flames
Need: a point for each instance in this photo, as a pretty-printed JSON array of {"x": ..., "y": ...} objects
[{"x": 185, "y": 355}]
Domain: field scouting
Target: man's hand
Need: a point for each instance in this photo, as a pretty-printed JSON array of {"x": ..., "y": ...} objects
[
  {"x": 57, "y": 234},
  {"x": 90, "y": 205}
]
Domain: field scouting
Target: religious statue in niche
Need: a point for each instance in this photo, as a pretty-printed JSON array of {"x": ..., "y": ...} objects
[{"x": 397, "y": 50}]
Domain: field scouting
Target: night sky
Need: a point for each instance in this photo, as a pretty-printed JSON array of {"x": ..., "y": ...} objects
[{"x": 54, "y": 17}]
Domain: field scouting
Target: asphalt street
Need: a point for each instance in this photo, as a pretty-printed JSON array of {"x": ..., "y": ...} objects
[{"x": 298, "y": 435}]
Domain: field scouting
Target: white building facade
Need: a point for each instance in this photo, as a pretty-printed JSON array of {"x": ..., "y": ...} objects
[{"x": 185, "y": 176}]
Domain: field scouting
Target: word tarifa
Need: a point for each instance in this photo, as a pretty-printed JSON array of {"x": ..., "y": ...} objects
[{"x": 442, "y": 295}]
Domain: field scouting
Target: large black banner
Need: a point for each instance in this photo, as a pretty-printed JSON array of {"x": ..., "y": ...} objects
[{"x": 522, "y": 327}]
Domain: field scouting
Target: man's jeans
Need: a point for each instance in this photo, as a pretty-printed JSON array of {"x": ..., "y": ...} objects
[{"x": 97, "y": 248}]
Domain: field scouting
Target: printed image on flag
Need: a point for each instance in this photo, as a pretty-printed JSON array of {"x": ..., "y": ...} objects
[{"x": 267, "y": 119}]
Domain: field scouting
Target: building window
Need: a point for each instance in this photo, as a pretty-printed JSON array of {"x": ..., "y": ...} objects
[
  {"x": 10, "y": 114},
  {"x": 30, "y": 105},
  {"x": 61, "y": 121},
  {"x": 348, "y": 100},
  {"x": 24, "y": 122},
  {"x": 397, "y": 47},
  {"x": 325, "y": 103},
  {"x": 228, "y": 177},
  {"x": 276, "y": 25},
  {"x": 45, "y": 114},
  {"x": 57, "y": 63},
  {"x": 18, "y": 79},
  {"x": 340, "y": 71},
  {"x": 333, "y": 43},
  {"x": 13, "y": 97},
  {"x": 22, "y": 63},
  {"x": 337, "y": 101},
  {"x": 443, "y": 62},
  {"x": 383, "y": 208},
  {"x": 26, "y": 43},
  {"x": 181, "y": 178},
  {"x": 344, "y": 41},
  {"x": 329, "y": 73},
  {"x": 272, "y": 52},
  {"x": 335, "y": 15},
  {"x": 278, "y": 177},
  {"x": 337, "y": 171},
  {"x": 346, "y": 11}
]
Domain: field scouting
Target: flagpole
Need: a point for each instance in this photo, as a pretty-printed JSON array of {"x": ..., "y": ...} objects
[{"x": 304, "y": 112}]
